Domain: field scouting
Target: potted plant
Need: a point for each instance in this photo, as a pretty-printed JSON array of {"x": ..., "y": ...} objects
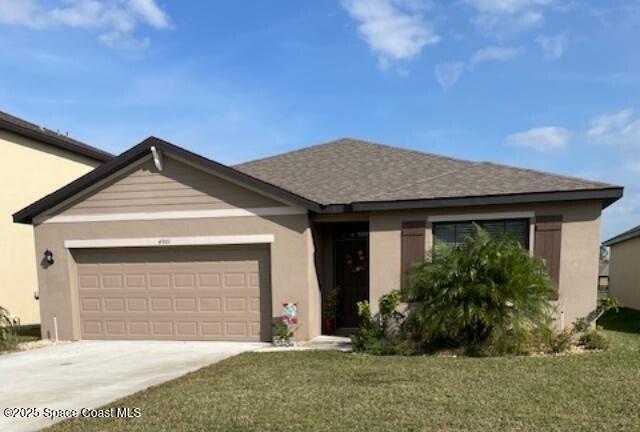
[
  {"x": 287, "y": 326},
  {"x": 329, "y": 308},
  {"x": 282, "y": 335}
]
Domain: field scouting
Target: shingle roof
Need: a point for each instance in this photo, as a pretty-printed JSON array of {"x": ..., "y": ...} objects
[
  {"x": 627, "y": 235},
  {"x": 351, "y": 171},
  {"x": 47, "y": 136}
]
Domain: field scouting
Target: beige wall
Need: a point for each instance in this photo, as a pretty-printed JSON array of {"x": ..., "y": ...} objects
[
  {"x": 290, "y": 264},
  {"x": 624, "y": 273},
  {"x": 578, "y": 260},
  {"x": 291, "y": 253},
  {"x": 29, "y": 171}
]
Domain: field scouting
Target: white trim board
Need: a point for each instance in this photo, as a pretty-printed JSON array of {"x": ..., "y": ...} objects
[
  {"x": 481, "y": 216},
  {"x": 180, "y": 214},
  {"x": 169, "y": 241}
]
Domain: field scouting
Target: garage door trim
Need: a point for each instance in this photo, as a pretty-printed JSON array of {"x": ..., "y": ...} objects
[{"x": 170, "y": 241}]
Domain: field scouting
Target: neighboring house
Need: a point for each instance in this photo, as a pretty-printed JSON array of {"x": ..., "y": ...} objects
[
  {"x": 603, "y": 276},
  {"x": 35, "y": 162},
  {"x": 624, "y": 272},
  {"x": 163, "y": 243}
]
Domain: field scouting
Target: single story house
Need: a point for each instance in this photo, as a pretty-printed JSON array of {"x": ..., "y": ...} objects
[
  {"x": 624, "y": 267},
  {"x": 162, "y": 243},
  {"x": 35, "y": 161}
]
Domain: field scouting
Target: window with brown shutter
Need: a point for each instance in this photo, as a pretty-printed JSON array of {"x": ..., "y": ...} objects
[
  {"x": 413, "y": 245},
  {"x": 547, "y": 246}
]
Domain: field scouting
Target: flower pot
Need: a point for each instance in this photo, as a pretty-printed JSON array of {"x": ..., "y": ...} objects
[{"x": 329, "y": 326}]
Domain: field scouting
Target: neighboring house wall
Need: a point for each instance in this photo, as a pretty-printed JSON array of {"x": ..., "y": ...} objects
[
  {"x": 143, "y": 188},
  {"x": 30, "y": 170},
  {"x": 624, "y": 272},
  {"x": 578, "y": 260}
]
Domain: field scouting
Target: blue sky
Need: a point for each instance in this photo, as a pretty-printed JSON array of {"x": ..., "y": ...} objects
[{"x": 545, "y": 84}]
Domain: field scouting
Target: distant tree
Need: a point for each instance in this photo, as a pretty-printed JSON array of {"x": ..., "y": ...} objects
[{"x": 604, "y": 254}]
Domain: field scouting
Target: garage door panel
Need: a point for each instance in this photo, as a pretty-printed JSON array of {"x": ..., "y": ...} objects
[
  {"x": 135, "y": 281},
  {"x": 196, "y": 294}
]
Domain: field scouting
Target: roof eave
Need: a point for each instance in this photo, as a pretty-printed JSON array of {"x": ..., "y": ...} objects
[
  {"x": 91, "y": 153},
  {"x": 621, "y": 238},
  {"x": 608, "y": 196}
]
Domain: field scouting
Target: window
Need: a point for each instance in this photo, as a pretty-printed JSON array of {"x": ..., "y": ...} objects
[{"x": 454, "y": 233}]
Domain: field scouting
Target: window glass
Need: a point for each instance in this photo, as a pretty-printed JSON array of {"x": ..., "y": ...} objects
[{"x": 454, "y": 233}]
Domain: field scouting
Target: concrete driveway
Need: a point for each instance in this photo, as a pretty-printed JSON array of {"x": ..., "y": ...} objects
[{"x": 89, "y": 374}]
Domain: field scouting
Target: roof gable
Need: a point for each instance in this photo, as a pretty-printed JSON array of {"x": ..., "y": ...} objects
[
  {"x": 177, "y": 187},
  {"x": 143, "y": 150}
]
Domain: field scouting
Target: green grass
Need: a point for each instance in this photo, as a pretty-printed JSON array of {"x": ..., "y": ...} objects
[{"x": 332, "y": 391}]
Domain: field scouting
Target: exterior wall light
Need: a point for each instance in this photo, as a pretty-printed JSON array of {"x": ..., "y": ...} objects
[{"x": 48, "y": 257}]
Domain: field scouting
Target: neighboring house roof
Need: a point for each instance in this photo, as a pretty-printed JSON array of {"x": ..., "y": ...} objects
[
  {"x": 604, "y": 269},
  {"x": 349, "y": 175},
  {"x": 349, "y": 171},
  {"x": 43, "y": 135},
  {"x": 627, "y": 235}
]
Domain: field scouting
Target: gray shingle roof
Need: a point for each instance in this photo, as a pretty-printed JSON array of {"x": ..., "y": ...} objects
[
  {"x": 627, "y": 235},
  {"x": 351, "y": 171},
  {"x": 22, "y": 127}
]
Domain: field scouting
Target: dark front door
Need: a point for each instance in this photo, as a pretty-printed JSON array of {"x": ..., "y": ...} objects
[{"x": 351, "y": 271}]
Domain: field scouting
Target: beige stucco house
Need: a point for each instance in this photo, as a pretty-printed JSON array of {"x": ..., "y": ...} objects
[
  {"x": 162, "y": 243},
  {"x": 624, "y": 267},
  {"x": 35, "y": 162}
]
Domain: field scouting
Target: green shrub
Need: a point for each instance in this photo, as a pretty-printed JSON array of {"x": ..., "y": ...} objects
[
  {"x": 8, "y": 335},
  {"x": 379, "y": 334},
  {"x": 486, "y": 292},
  {"x": 581, "y": 325},
  {"x": 594, "y": 340},
  {"x": 561, "y": 342}
]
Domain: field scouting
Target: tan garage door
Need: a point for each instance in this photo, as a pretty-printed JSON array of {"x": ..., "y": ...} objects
[{"x": 198, "y": 293}]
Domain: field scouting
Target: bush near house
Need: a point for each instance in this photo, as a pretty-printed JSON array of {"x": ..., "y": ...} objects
[
  {"x": 8, "y": 335},
  {"x": 486, "y": 296}
]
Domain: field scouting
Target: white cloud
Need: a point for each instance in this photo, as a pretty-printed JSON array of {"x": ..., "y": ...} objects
[
  {"x": 493, "y": 54},
  {"x": 116, "y": 20},
  {"x": 507, "y": 6},
  {"x": 545, "y": 139},
  {"x": 447, "y": 74},
  {"x": 553, "y": 46},
  {"x": 512, "y": 15},
  {"x": 395, "y": 30},
  {"x": 620, "y": 129}
]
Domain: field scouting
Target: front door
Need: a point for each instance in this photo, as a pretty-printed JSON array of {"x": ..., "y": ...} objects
[{"x": 351, "y": 257}]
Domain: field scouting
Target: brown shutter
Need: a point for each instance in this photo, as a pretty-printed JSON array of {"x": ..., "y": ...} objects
[
  {"x": 412, "y": 245},
  {"x": 547, "y": 246}
]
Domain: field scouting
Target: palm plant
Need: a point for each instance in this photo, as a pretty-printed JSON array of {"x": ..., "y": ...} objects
[{"x": 464, "y": 295}]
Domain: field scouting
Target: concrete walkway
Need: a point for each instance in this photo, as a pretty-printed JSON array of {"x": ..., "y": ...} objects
[{"x": 89, "y": 374}]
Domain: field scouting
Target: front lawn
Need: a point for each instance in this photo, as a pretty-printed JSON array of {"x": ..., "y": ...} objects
[{"x": 332, "y": 391}]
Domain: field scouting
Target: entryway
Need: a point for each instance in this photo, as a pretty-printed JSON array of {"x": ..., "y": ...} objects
[{"x": 343, "y": 263}]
